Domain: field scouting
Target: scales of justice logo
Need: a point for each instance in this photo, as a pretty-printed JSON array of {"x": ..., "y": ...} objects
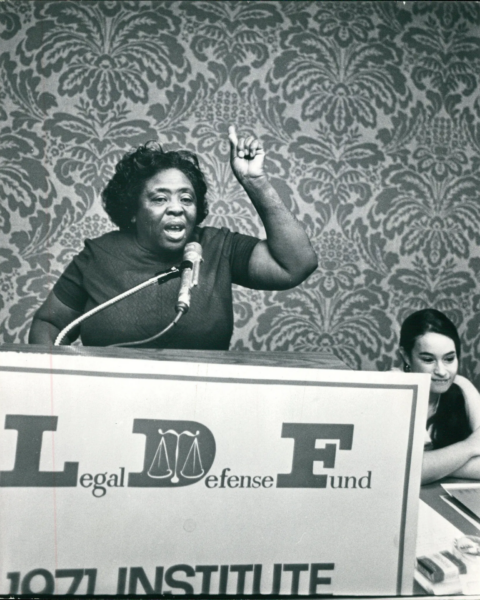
[
  {"x": 177, "y": 453},
  {"x": 161, "y": 466}
]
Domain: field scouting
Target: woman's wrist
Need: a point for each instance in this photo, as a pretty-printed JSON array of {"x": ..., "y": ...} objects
[
  {"x": 258, "y": 184},
  {"x": 264, "y": 197}
]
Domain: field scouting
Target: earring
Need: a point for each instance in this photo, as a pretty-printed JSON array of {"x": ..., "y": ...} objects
[
  {"x": 407, "y": 368},
  {"x": 133, "y": 219}
]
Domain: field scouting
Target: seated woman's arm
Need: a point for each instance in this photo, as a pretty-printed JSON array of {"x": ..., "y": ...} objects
[
  {"x": 286, "y": 257},
  {"x": 470, "y": 470},
  {"x": 453, "y": 460},
  {"x": 50, "y": 319}
]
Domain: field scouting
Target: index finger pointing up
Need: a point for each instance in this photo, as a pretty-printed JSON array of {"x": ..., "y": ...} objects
[{"x": 232, "y": 135}]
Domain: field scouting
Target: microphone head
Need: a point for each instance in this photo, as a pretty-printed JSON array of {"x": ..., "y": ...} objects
[
  {"x": 192, "y": 252},
  {"x": 192, "y": 257}
]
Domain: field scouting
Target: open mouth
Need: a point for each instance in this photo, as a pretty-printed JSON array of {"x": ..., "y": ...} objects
[{"x": 174, "y": 231}]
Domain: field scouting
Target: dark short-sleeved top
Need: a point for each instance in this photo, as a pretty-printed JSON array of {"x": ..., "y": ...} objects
[{"x": 115, "y": 262}]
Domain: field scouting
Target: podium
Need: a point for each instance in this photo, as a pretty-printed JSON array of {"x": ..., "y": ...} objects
[
  {"x": 187, "y": 473},
  {"x": 309, "y": 360}
]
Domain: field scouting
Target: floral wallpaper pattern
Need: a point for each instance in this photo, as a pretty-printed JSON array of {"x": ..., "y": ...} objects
[{"x": 369, "y": 112}]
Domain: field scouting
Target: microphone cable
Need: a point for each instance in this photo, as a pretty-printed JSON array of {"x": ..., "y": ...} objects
[
  {"x": 173, "y": 272},
  {"x": 180, "y": 313}
]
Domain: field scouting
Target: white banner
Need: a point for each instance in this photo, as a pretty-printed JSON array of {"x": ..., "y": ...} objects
[{"x": 132, "y": 477}]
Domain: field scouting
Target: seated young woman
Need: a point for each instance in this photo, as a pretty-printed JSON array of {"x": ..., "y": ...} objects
[{"x": 429, "y": 343}]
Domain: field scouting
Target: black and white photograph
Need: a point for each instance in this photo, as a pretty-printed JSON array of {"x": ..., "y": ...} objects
[{"x": 240, "y": 298}]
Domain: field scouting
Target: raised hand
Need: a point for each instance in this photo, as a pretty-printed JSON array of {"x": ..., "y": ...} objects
[{"x": 246, "y": 156}]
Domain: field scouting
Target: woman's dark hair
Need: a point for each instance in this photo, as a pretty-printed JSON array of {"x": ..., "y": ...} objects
[
  {"x": 450, "y": 422},
  {"x": 425, "y": 321},
  {"x": 121, "y": 194}
]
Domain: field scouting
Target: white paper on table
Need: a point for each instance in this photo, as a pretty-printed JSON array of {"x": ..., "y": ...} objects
[
  {"x": 435, "y": 533},
  {"x": 452, "y": 487}
]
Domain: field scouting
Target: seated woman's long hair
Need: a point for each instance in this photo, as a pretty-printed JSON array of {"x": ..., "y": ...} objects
[{"x": 450, "y": 422}]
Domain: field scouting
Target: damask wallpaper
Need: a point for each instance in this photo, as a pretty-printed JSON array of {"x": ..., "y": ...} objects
[{"x": 369, "y": 112}]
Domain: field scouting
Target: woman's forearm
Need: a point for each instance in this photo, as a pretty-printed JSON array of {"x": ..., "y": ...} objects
[
  {"x": 446, "y": 461},
  {"x": 287, "y": 242},
  {"x": 470, "y": 470}
]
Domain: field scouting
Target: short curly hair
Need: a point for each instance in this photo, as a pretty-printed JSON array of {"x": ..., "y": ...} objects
[{"x": 121, "y": 194}]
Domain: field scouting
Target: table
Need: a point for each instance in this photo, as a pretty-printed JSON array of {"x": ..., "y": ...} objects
[
  {"x": 439, "y": 524},
  {"x": 432, "y": 495}
]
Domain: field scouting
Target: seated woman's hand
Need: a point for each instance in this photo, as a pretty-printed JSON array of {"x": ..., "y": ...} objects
[{"x": 473, "y": 442}]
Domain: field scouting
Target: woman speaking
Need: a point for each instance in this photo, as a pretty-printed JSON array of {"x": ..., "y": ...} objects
[
  {"x": 157, "y": 200},
  {"x": 429, "y": 343}
]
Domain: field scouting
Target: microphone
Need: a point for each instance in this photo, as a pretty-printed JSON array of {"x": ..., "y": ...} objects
[{"x": 190, "y": 267}]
